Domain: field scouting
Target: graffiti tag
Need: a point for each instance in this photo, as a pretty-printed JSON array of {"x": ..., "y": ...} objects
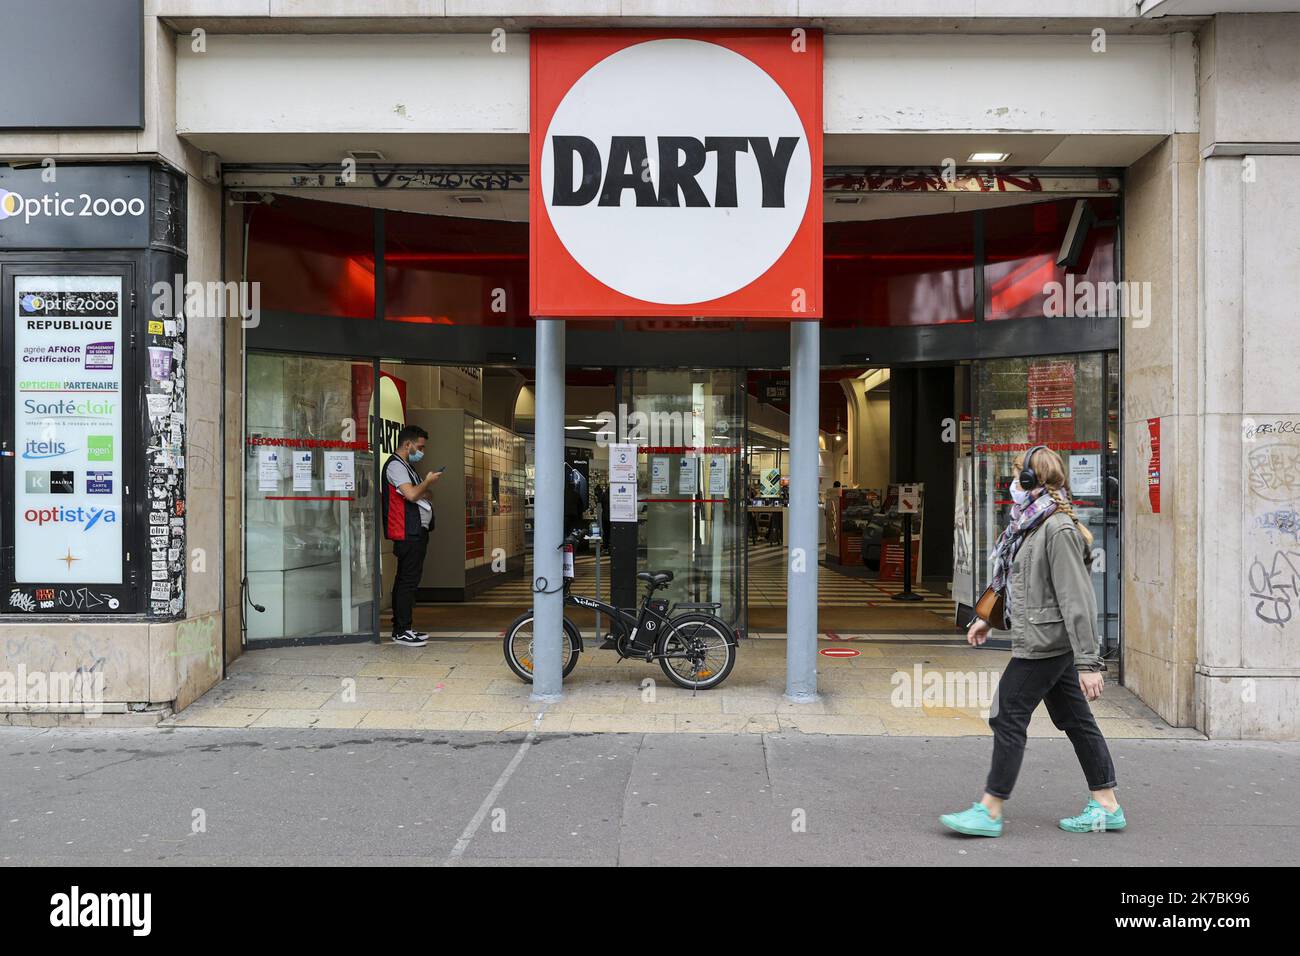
[
  {"x": 1275, "y": 588},
  {"x": 22, "y": 601},
  {"x": 1275, "y": 472}
]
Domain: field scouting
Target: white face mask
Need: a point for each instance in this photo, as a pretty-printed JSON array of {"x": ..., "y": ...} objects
[{"x": 1018, "y": 494}]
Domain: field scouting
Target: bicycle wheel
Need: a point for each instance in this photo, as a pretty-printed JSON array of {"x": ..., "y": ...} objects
[
  {"x": 696, "y": 651},
  {"x": 518, "y": 647}
]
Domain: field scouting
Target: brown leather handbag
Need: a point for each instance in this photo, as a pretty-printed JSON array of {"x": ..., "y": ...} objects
[{"x": 992, "y": 607}]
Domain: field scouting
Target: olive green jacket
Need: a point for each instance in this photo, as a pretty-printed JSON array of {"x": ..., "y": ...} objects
[{"x": 1050, "y": 600}]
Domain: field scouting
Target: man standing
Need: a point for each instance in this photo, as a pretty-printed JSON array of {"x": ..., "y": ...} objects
[{"x": 408, "y": 517}]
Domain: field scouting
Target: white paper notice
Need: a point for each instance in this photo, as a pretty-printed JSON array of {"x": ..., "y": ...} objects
[
  {"x": 622, "y": 463},
  {"x": 909, "y": 499},
  {"x": 686, "y": 478},
  {"x": 622, "y": 501},
  {"x": 302, "y": 461},
  {"x": 159, "y": 405},
  {"x": 1085, "y": 474},
  {"x": 340, "y": 471},
  {"x": 268, "y": 468},
  {"x": 659, "y": 476},
  {"x": 717, "y": 475}
]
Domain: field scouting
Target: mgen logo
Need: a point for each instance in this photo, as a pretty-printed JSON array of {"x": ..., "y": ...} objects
[{"x": 676, "y": 173}]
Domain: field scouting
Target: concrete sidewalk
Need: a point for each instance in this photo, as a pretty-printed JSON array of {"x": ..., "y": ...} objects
[
  {"x": 462, "y": 683},
  {"x": 253, "y": 796}
]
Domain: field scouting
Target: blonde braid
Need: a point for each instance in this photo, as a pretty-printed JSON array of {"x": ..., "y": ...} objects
[{"x": 1063, "y": 504}]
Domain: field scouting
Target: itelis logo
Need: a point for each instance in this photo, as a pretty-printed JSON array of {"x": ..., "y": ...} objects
[{"x": 676, "y": 173}]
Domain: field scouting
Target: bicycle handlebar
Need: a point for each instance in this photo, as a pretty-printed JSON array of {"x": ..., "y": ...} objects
[{"x": 573, "y": 537}]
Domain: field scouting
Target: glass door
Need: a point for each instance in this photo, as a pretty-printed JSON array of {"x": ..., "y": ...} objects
[
  {"x": 689, "y": 425},
  {"x": 309, "y": 501},
  {"x": 1070, "y": 404}
]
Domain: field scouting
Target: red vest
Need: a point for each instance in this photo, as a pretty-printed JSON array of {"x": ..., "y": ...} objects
[{"x": 402, "y": 520}]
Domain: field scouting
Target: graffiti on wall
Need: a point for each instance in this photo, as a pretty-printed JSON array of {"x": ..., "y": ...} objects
[{"x": 1273, "y": 478}]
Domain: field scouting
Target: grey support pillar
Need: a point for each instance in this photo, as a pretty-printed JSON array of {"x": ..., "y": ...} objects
[
  {"x": 548, "y": 511},
  {"x": 801, "y": 567}
]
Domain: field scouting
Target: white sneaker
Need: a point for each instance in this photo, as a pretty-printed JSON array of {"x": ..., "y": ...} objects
[{"x": 410, "y": 639}]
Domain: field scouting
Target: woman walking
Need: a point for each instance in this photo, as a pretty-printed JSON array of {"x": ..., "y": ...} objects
[{"x": 1040, "y": 568}]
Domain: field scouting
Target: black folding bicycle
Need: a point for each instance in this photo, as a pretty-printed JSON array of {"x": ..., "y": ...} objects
[{"x": 695, "y": 648}]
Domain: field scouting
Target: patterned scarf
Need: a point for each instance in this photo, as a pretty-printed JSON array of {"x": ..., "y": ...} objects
[{"x": 1024, "y": 519}]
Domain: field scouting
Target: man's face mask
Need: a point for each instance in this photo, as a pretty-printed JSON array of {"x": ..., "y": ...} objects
[{"x": 416, "y": 455}]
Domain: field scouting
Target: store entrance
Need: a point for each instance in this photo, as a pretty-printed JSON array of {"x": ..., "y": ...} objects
[
  {"x": 684, "y": 512},
  {"x": 320, "y": 431}
]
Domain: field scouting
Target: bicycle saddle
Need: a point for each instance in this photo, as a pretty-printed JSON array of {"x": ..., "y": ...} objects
[{"x": 656, "y": 578}]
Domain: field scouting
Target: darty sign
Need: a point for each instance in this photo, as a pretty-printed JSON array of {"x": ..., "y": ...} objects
[{"x": 676, "y": 173}]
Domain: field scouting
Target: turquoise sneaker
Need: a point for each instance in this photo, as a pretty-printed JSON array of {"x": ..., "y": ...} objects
[
  {"x": 1095, "y": 817},
  {"x": 973, "y": 822}
]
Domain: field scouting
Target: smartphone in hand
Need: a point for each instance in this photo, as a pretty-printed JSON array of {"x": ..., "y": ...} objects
[{"x": 439, "y": 471}]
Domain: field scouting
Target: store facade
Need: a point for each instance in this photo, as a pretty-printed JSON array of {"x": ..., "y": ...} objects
[{"x": 381, "y": 235}]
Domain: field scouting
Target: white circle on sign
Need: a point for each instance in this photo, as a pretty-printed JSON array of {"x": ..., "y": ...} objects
[{"x": 677, "y": 255}]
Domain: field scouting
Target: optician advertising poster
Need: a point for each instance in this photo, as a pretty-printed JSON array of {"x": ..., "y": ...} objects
[{"x": 67, "y": 513}]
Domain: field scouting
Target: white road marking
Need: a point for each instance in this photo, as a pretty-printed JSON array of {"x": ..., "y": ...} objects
[{"x": 486, "y": 806}]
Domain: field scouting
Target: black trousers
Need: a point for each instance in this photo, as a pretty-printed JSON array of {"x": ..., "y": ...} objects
[
  {"x": 1055, "y": 682},
  {"x": 410, "y": 568}
]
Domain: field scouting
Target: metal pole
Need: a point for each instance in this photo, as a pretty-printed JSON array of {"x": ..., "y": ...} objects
[
  {"x": 548, "y": 512},
  {"x": 598, "y": 594},
  {"x": 801, "y": 535}
]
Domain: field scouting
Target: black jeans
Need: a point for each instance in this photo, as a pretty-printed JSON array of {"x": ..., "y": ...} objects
[
  {"x": 1054, "y": 681},
  {"x": 410, "y": 568}
]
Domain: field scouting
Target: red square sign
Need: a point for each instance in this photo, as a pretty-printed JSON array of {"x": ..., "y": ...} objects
[{"x": 676, "y": 173}]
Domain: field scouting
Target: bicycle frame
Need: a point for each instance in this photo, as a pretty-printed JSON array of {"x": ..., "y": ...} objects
[{"x": 628, "y": 623}]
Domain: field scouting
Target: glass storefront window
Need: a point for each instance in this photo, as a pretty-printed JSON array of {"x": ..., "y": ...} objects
[
  {"x": 689, "y": 482},
  {"x": 309, "y": 502},
  {"x": 443, "y": 270},
  {"x": 888, "y": 272},
  {"x": 313, "y": 258},
  {"x": 1062, "y": 402},
  {"x": 1021, "y": 277}
]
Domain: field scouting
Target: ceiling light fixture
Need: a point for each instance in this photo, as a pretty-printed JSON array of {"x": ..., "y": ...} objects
[{"x": 988, "y": 157}]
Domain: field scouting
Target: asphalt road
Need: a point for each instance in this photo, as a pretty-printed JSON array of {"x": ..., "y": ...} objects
[{"x": 260, "y": 797}]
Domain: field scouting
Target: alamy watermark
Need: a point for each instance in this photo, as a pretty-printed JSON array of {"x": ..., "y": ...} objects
[
  {"x": 1084, "y": 298},
  {"x": 81, "y": 690},
  {"x": 969, "y": 690},
  {"x": 208, "y": 300}
]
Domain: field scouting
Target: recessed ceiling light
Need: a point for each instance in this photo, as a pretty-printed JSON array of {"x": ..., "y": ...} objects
[
  {"x": 470, "y": 200},
  {"x": 988, "y": 157},
  {"x": 847, "y": 200},
  {"x": 366, "y": 155},
  {"x": 574, "y": 428}
]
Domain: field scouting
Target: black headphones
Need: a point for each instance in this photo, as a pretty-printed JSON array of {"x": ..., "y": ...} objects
[{"x": 1028, "y": 479}]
